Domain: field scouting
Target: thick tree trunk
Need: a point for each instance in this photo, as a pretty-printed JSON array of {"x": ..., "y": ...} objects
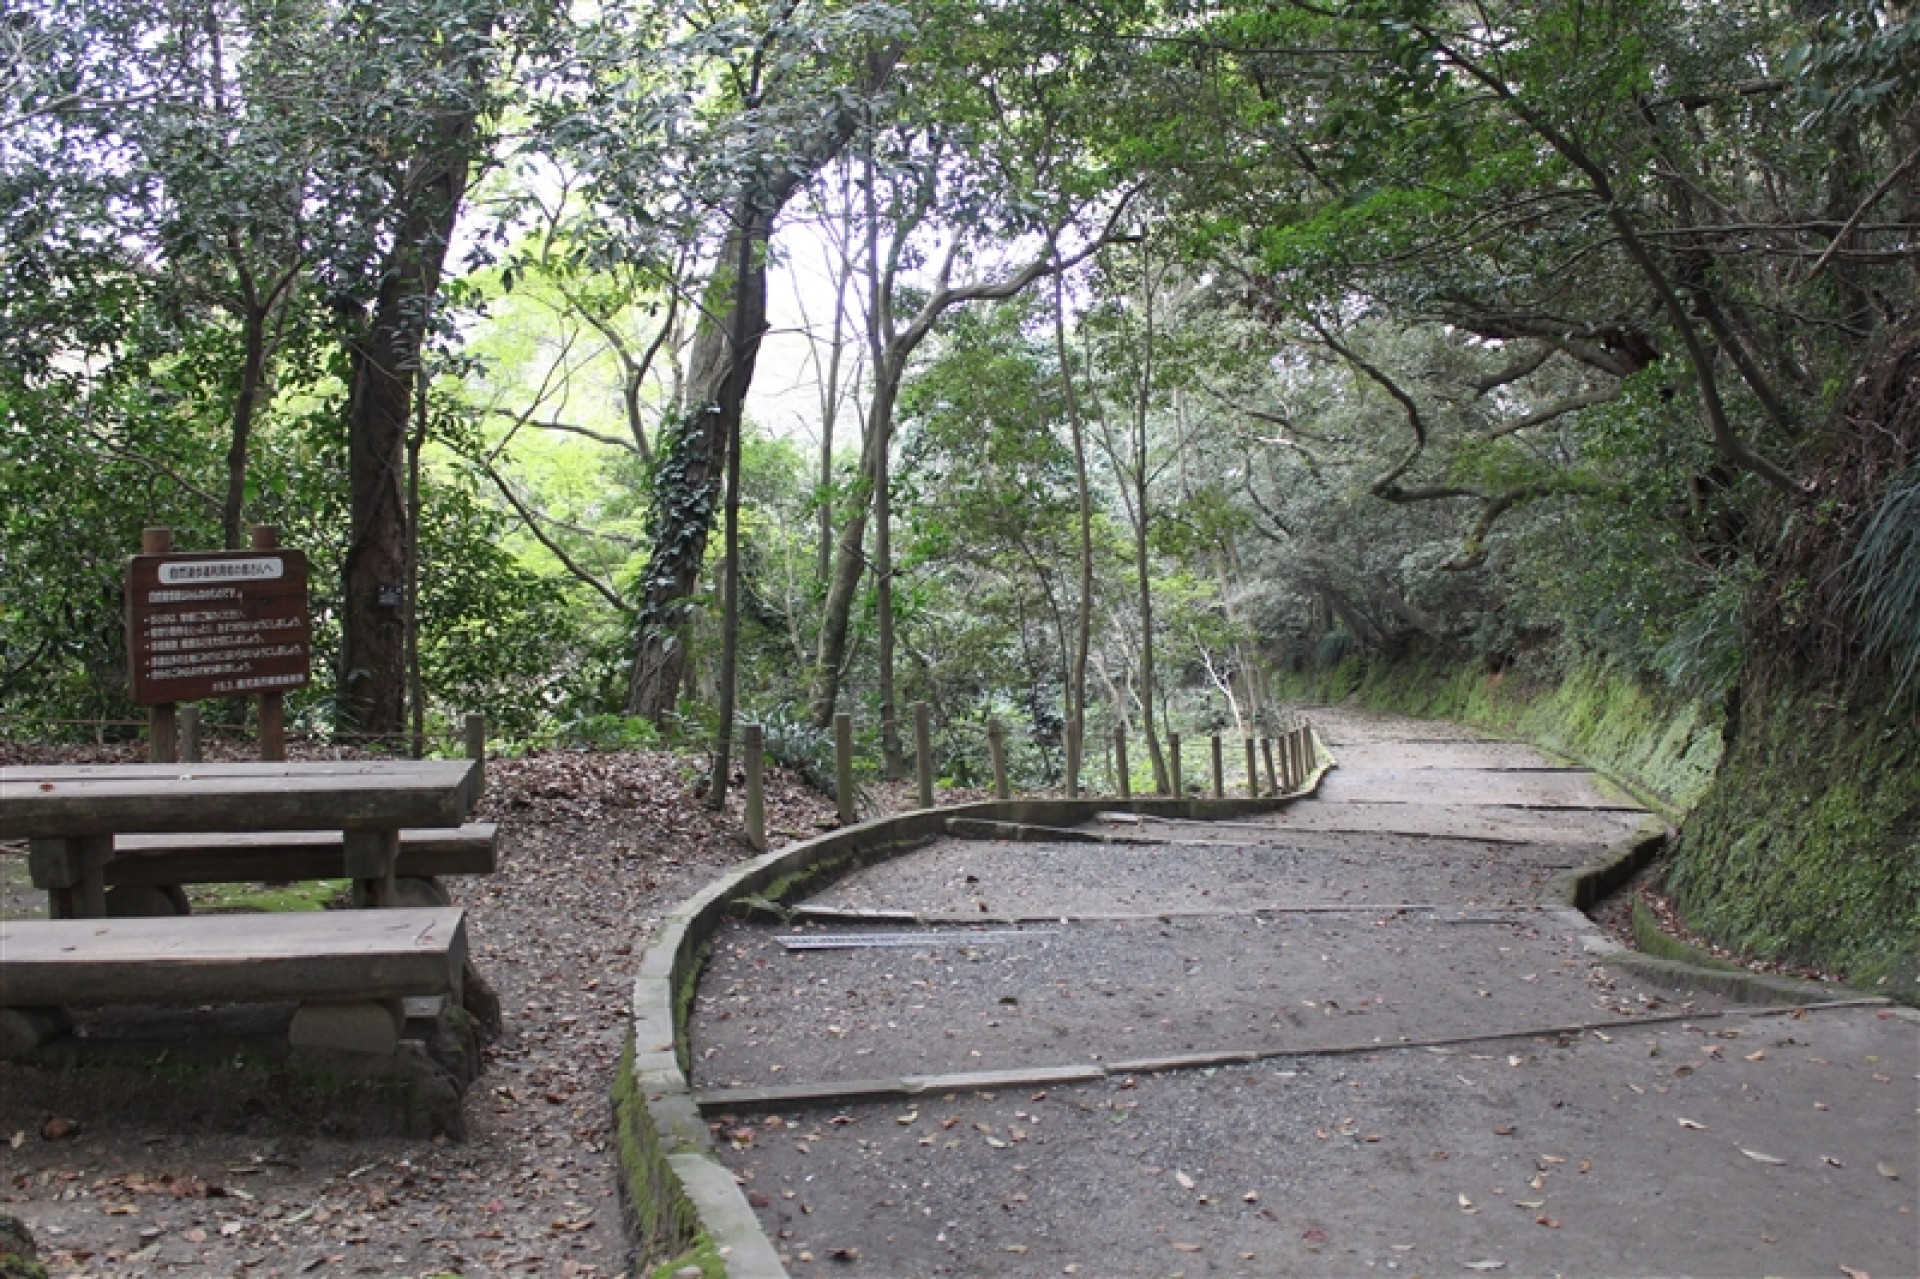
[
  {"x": 385, "y": 361},
  {"x": 692, "y": 456}
]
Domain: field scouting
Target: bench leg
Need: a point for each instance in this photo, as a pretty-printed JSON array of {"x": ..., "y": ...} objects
[
  {"x": 360, "y": 1026},
  {"x": 370, "y": 856},
  {"x": 24, "y": 1029},
  {"x": 73, "y": 871}
]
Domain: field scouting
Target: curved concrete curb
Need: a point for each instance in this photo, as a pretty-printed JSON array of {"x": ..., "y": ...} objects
[
  {"x": 679, "y": 1195},
  {"x": 1576, "y": 891}
]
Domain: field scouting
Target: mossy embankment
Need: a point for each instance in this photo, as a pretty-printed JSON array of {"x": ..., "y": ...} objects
[
  {"x": 1806, "y": 848},
  {"x": 1799, "y": 829}
]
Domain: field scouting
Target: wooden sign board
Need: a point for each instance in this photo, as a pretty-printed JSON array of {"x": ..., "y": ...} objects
[{"x": 218, "y": 624}]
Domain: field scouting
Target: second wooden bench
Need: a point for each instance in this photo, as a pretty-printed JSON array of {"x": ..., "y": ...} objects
[{"x": 143, "y": 864}]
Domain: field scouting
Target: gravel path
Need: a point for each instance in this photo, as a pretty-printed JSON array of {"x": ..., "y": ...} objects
[{"x": 1447, "y": 1082}]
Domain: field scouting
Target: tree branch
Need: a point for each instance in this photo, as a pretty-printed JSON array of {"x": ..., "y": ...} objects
[{"x": 531, "y": 519}]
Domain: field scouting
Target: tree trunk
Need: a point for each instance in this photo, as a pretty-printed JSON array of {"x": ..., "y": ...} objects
[
  {"x": 253, "y": 374},
  {"x": 1083, "y": 496},
  {"x": 692, "y": 456},
  {"x": 849, "y": 560},
  {"x": 385, "y": 361}
]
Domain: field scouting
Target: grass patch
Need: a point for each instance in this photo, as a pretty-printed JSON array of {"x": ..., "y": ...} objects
[{"x": 310, "y": 894}]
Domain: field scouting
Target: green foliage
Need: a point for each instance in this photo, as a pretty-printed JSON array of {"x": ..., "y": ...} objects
[{"x": 1884, "y": 579}]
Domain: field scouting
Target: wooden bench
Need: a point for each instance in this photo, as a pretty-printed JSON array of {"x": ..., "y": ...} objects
[
  {"x": 349, "y": 970},
  {"x": 145, "y": 865}
]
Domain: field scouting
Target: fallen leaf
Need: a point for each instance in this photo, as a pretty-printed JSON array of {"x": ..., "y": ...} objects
[
  {"x": 1831, "y": 1162},
  {"x": 1016, "y": 1247},
  {"x": 1485, "y": 1265},
  {"x": 1761, "y": 1158},
  {"x": 1888, "y": 1171},
  {"x": 1688, "y": 1123},
  {"x": 1529, "y": 1203},
  {"x": 1504, "y": 1130},
  {"x": 1189, "y": 1247},
  {"x": 1546, "y": 1221},
  {"x": 1186, "y": 1182},
  {"x": 843, "y": 1254},
  {"x": 1851, "y": 1273}
]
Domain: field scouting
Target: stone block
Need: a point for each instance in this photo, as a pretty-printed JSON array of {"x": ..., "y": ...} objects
[{"x": 360, "y": 1026}]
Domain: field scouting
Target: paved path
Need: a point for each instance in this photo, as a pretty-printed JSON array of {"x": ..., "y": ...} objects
[{"x": 1343, "y": 1040}]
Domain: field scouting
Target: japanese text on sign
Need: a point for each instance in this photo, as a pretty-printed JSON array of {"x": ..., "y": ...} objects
[{"x": 216, "y": 625}]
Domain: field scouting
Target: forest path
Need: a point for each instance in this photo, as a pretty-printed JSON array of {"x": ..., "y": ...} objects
[{"x": 1344, "y": 1039}]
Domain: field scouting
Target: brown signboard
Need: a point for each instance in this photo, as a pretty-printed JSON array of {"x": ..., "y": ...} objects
[{"x": 219, "y": 624}]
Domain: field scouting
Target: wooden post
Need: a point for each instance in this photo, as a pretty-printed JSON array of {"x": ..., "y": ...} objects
[
  {"x": 475, "y": 729},
  {"x": 163, "y": 720},
  {"x": 1074, "y": 739},
  {"x": 1120, "y": 774},
  {"x": 753, "y": 748},
  {"x": 923, "y": 751},
  {"x": 273, "y": 704},
  {"x": 1176, "y": 775},
  {"x": 1266, "y": 753},
  {"x": 1253, "y": 770},
  {"x": 843, "y": 766},
  {"x": 1219, "y": 770},
  {"x": 997, "y": 752},
  {"x": 189, "y": 723}
]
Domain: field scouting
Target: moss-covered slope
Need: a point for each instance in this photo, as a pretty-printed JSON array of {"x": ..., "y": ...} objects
[{"x": 1807, "y": 846}]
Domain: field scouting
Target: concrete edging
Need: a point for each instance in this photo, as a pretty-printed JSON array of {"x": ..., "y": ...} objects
[
  {"x": 676, "y": 1189},
  {"x": 1579, "y": 889}
]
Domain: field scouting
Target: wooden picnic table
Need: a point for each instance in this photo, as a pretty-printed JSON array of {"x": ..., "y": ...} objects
[{"x": 69, "y": 814}]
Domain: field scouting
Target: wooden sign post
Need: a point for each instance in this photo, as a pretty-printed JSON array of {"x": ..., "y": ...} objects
[{"x": 216, "y": 624}]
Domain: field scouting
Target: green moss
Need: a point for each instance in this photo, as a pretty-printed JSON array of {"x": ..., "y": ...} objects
[
  {"x": 1807, "y": 848},
  {"x": 312, "y": 894},
  {"x": 703, "y": 1254},
  {"x": 1649, "y": 938},
  {"x": 663, "y": 1217}
]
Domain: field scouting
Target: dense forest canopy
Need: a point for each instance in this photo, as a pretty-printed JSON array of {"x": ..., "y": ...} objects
[{"x": 1160, "y": 350}]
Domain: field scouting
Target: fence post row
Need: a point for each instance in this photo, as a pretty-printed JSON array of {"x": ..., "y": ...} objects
[
  {"x": 1253, "y": 770},
  {"x": 923, "y": 751},
  {"x": 997, "y": 751},
  {"x": 753, "y": 750},
  {"x": 1176, "y": 779},
  {"x": 843, "y": 765},
  {"x": 1123, "y": 779},
  {"x": 1074, "y": 731},
  {"x": 1266, "y": 754},
  {"x": 1219, "y": 770}
]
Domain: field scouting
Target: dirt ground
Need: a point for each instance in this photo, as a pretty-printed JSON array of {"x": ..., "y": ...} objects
[{"x": 593, "y": 849}]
